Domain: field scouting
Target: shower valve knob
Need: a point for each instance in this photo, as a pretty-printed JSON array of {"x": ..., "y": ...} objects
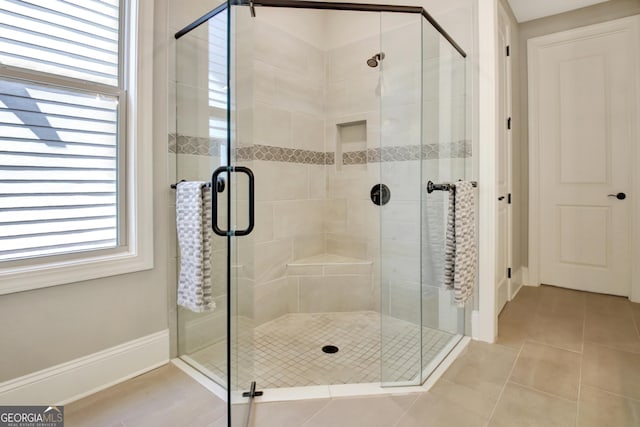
[{"x": 380, "y": 194}]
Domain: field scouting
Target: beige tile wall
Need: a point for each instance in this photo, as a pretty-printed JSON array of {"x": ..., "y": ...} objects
[
  {"x": 352, "y": 225},
  {"x": 284, "y": 108},
  {"x": 400, "y": 219}
]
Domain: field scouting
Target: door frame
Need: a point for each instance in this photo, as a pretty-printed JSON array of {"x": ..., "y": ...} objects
[
  {"x": 505, "y": 94},
  {"x": 534, "y": 47}
]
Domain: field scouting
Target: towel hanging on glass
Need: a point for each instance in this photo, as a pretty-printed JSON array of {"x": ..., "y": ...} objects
[
  {"x": 461, "y": 252},
  {"x": 193, "y": 219}
]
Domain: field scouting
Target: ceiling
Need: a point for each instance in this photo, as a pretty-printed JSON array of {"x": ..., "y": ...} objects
[{"x": 526, "y": 10}]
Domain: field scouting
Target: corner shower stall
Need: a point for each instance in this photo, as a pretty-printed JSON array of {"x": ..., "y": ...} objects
[{"x": 319, "y": 125}]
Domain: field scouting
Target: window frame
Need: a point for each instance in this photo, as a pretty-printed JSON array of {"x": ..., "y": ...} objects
[{"x": 134, "y": 251}]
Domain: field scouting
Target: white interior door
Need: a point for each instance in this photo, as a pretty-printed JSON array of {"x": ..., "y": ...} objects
[
  {"x": 582, "y": 120},
  {"x": 502, "y": 164}
]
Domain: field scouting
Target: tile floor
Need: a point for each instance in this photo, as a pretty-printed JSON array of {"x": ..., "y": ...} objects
[
  {"x": 563, "y": 358},
  {"x": 288, "y": 350},
  {"x": 578, "y": 359}
]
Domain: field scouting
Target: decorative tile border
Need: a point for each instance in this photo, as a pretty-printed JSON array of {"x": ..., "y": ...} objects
[
  {"x": 454, "y": 150},
  {"x": 172, "y": 143},
  {"x": 211, "y": 147},
  {"x": 288, "y": 155},
  {"x": 244, "y": 154},
  {"x": 354, "y": 158},
  {"x": 330, "y": 158},
  {"x": 196, "y": 145}
]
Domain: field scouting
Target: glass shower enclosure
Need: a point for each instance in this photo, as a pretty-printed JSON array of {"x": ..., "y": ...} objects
[{"x": 319, "y": 126}]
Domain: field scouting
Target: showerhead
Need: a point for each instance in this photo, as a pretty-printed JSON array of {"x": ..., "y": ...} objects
[{"x": 375, "y": 60}]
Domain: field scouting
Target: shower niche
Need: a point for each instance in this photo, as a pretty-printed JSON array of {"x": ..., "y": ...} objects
[
  {"x": 304, "y": 107},
  {"x": 351, "y": 144}
]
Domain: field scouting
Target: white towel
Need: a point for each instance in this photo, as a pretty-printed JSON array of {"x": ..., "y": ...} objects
[
  {"x": 450, "y": 240},
  {"x": 461, "y": 250},
  {"x": 193, "y": 220}
]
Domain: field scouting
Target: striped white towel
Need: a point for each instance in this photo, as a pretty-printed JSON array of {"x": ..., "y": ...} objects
[
  {"x": 450, "y": 240},
  {"x": 193, "y": 220},
  {"x": 461, "y": 251}
]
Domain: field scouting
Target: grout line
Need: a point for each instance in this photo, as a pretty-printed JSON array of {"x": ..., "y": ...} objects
[
  {"x": 621, "y": 396},
  {"x": 610, "y": 347},
  {"x": 317, "y": 412},
  {"x": 534, "y": 341},
  {"x": 418, "y": 395},
  {"x": 504, "y": 386},
  {"x": 579, "y": 391},
  {"x": 633, "y": 319},
  {"x": 584, "y": 331},
  {"x": 546, "y": 393}
]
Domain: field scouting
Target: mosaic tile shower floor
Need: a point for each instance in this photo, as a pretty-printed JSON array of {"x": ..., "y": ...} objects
[{"x": 287, "y": 351}]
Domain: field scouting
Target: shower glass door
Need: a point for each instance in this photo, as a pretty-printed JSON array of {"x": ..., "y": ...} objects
[
  {"x": 200, "y": 146},
  {"x": 242, "y": 253},
  {"x": 209, "y": 147}
]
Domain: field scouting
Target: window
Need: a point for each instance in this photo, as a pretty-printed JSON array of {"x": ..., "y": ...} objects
[
  {"x": 218, "y": 91},
  {"x": 67, "y": 185}
]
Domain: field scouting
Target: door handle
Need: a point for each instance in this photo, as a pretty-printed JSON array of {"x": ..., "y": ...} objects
[
  {"x": 252, "y": 197},
  {"x": 619, "y": 196},
  {"x": 214, "y": 201}
]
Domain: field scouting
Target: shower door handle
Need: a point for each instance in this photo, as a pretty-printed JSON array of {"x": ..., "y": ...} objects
[
  {"x": 252, "y": 197},
  {"x": 214, "y": 201}
]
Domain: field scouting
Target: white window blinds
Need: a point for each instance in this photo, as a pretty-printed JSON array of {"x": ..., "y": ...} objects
[
  {"x": 59, "y": 163},
  {"x": 72, "y": 38},
  {"x": 218, "y": 90}
]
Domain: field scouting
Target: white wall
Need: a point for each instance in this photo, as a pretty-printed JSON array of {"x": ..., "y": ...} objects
[{"x": 485, "y": 327}]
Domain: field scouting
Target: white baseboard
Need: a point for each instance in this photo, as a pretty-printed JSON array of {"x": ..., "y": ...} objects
[
  {"x": 515, "y": 284},
  {"x": 526, "y": 279},
  {"x": 69, "y": 381},
  {"x": 502, "y": 296},
  {"x": 475, "y": 324}
]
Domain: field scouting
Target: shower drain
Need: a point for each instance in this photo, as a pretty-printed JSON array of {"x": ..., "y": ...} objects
[{"x": 330, "y": 349}]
